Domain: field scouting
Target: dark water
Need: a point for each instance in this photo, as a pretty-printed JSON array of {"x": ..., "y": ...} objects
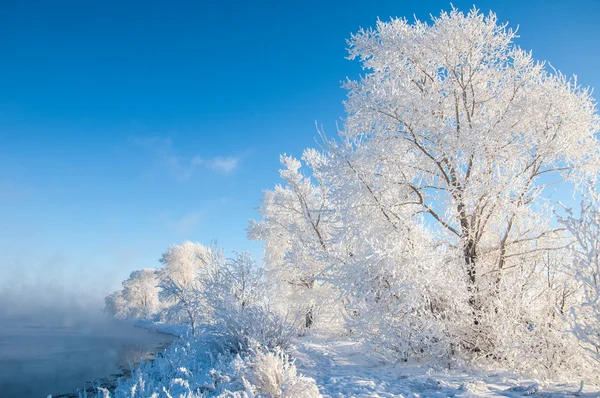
[{"x": 41, "y": 359}]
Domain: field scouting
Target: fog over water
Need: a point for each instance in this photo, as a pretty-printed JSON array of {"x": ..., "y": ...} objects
[{"x": 53, "y": 344}]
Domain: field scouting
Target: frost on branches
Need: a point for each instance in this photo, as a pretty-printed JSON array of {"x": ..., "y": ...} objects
[
  {"x": 297, "y": 226},
  {"x": 182, "y": 281},
  {"x": 238, "y": 297},
  {"x": 236, "y": 342},
  {"x": 138, "y": 298},
  {"x": 585, "y": 269},
  {"x": 429, "y": 213}
]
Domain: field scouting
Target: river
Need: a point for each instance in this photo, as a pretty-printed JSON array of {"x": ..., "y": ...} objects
[{"x": 38, "y": 359}]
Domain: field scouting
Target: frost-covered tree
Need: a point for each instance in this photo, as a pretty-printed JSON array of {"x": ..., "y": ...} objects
[
  {"x": 456, "y": 125},
  {"x": 138, "y": 299},
  {"x": 467, "y": 129},
  {"x": 438, "y": 227},
  {"x": 115, "y": 305},
  {"x": 296, "y": 226},
  {"x": 140, "y": 292},
  {"x": 181, "y": 281},
  {"x": 237, "y": 281},
  {"x": 585, "y": 268}
]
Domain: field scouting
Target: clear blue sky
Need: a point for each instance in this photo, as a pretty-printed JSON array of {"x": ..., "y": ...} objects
[{"x": 127, "y": 126}]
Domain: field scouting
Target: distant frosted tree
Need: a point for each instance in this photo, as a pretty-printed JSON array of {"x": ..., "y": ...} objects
[
  {"x": 140, "y": 292},
  {"x": 115, "y": 305},
  {"x": 138, "y": 298},
  {"x": 181, "y": 281}
]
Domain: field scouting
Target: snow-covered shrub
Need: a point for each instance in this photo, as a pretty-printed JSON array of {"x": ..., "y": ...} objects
[
  {"x": 399, "y": 298},
  {"x": 244, "y": 326},
  {"x": 527, "y": 333},
  {"x": 237, "y": 294},
  {"x": 199, "y": 286},
  {"x": 197, "y": 366},
  {"x": 273, "y": 374}
]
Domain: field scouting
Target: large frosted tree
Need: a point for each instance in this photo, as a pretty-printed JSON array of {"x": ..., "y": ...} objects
[
  {"x": 457, "y": 127},
  {"x": 468, "y": 128},
  {"x": 444, "y": 239}
]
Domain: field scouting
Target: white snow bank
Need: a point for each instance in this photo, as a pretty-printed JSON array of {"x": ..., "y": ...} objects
[
  {"x": 204, "y": 366},
  {"x": 346, "y": 368}
]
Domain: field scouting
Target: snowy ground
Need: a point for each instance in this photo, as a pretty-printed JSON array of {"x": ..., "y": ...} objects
[{"x": 342, "y": 369}]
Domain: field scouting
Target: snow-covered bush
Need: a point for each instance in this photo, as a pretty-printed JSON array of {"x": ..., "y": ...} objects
[
  {"x": 237, "y": 294},
  {"x": 273, "y": 374},
  {"x": 199, "y": 286},
  {"x": 197, "y": 366}
]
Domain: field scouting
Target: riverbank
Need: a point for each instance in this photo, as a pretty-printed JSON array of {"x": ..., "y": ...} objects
[{"x": 318, "y": 366}]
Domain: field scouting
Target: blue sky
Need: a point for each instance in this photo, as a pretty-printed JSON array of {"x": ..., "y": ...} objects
[{"x": 127, "y": 126}]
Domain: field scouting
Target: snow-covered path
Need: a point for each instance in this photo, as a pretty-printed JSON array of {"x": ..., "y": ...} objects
[{"x": 342, "y": 369}]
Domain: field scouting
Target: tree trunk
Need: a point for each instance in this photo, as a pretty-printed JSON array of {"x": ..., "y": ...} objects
[
  {"x": 470, "y": 256},
  {"x": 192, "y": 323},
  {"x": 309, "y": 318}
]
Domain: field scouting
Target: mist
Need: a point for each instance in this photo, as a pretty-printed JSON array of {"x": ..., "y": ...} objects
[{"x": 53, "y": 341}]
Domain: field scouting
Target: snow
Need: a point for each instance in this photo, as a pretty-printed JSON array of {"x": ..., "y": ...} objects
[
  {"x": 346, "y": 368},
  {"x": 338, "y": 366}
]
